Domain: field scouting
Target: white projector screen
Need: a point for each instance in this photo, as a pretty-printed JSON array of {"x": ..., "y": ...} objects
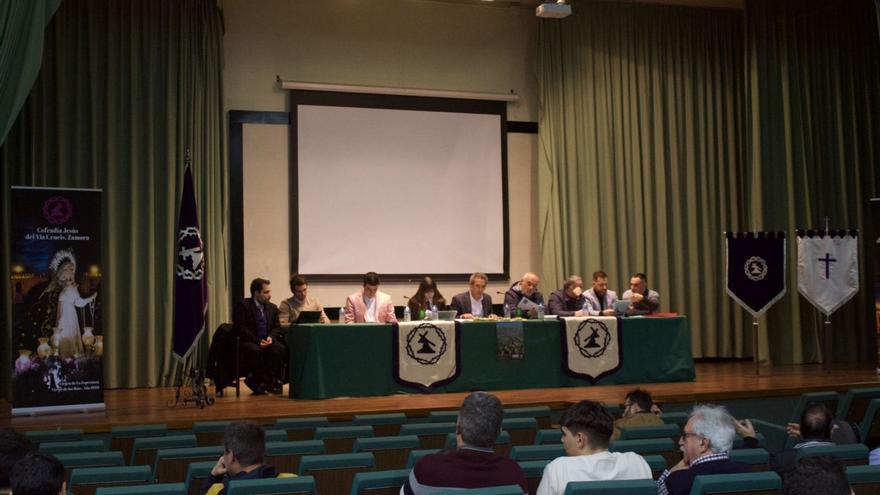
[{"x": 398, "y": 191}]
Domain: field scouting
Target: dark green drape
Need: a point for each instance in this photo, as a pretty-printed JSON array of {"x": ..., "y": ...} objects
[
  {"x": 126, "y": 87},
  {"x": 814, "y": 140},
  {"x": 22, "y": 23},
  {"x": 640, "y": 142}
]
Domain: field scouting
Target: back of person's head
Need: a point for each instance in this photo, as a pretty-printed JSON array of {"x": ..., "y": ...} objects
[
  {"x": 591, "y": 419},
  {"x": 479, "y": 419},
  {"x": 37, "y": 474},
  {"x": 816, "y": 475},
  {"x": 816, "y": 422},
  {"x": 371, "y": 278},
  {"x": 13, "y": 446},
  {"x": 641, "y": 398},
  {"x": 715, "y": 424},
  {"x": 247, "y": 441}
]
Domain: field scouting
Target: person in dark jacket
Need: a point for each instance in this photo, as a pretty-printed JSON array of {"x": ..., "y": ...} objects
[
  {"x": 244, "y": 446},
  {"x": 262, "y": 347}
]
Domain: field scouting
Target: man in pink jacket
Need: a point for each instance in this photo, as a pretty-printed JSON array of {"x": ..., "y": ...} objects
[{"x": 368, "y": 305}]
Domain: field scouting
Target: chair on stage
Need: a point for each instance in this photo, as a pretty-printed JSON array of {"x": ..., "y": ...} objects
[
  {"x": 384, "y": 425},
  {"x": 122, "y": 437},
  {"x": 84, "y": 481},
  {"x": 340, "y": 439},
  {"x": 541, "y": 414},
  {"x": 522, "y": 430},
  {"x": 72, "y": 446},
  {"x": 501, "y": 447},
  {"x": 763, "y": 483},
  {"x": 672, "y": 431},
  {"x": 333, "y": 473},
  {"x": 389, "y": 452},
  {"x": 273, "y": 486},
  {"x": 65, "y": 435},
  {"x": 143, "y": 451},
  {"x": 648, "y": 446},
  {"x": 301, "y": 428},
  {"x": 431, "y": 435},
  {"x": 614, "y": 487},
  {"x": 852, "y": 454},
  {"x": 864, "y": 480},
  {"x": 657, "y": 463},
  {"x": 533, "y": 470},
  {"x": 171, "y": 465},
  {"x": 521, "y": 453},
  {"x": 379, "y": 482},
  {"x": 757, "y": 459},
  {"x": 285, "y": 456},
  {"x": 154, "y": 489},
  {"x": 196, "y": 472},
  {"x": 73, "y": 460},
  {"x": 547, "y": 436},
  {"x": 415, "y": 455}
]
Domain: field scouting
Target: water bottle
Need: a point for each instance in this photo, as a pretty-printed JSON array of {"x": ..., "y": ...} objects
[
  {"x": 507, "y": 311},
  {"x": 342, "y": 314},
  {"x": 585, "y": 308},
  {"x": 541, "y": 311},
  {"x": 428, "y": 314},
  {"x": 407, "y": 316},
  {"x": 435, "y": 312}
]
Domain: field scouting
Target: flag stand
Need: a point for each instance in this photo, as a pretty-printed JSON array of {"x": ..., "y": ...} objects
[
  {"x": 755, "y": 347},
  {"x": 826, "y": 345},
  {"x": 195, "y": 381}
]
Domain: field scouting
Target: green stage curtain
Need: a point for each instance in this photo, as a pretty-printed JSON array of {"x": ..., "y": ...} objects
[
  {"x": 22, "y": 23},
  {"x": 126, "y": 87},
  {"x": 814, "y": 139},
  {"x": 641, "y": 133}
]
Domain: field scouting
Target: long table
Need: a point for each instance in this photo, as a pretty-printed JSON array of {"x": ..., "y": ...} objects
[{"x": 356, "y": 360}]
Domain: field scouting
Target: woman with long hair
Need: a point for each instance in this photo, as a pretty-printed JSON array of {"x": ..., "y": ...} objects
[{"x": 425, "y": 297}]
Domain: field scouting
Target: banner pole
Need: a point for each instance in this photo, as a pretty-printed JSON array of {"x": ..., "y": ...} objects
[
  {"x": 755, "y": 346},
  {"x": 826, "y": 340}
]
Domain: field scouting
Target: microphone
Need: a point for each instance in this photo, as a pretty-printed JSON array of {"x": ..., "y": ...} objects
[{"x": 500, "y": 292}]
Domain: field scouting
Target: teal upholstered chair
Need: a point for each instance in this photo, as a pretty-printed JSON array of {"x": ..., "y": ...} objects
[
  {"x": 210, "y": 432},
  {"x": 73, "y": 446},
  {"x": 285, "y": 456},
  {"x": 854, "y": 403},
  {"x": 852, "y": 454},
  {"x": 542, "y": 414},
  {"x": 170, "y": 465},
  {"x": 657, "y": 463},
  {"x": 757, "y": 459},
  {"x": 379, "y": 482},
  {"x": 536, "y": 452},
  {"x": 522, "y": 430},
  {"x": 665, "y": 430},
  {"x": 677, "y": 418},
  {"x": 766, "y": 482},
  {"x": 548, "y": 435},
  {"x": 615, "y": 487},
  {"x": 65, "y": 435},
  {"x": 649, "y": 446},
  {"x": 340, "y": 439},
  {"x": 89, "y": 459},
  {"x": 84, "y": 481},
  {"x": 143, "y": 450},
  {"x": 415, "y": 455},
  {"x": 431, "y": 435},
  {"x": 870, "y": 426},
  {"x": 533, "y": 470},
  {"x": 152, "y": 489},
  {"x": 196, "y": 472},
  {"x": 384, "y": 425},
  {"x": 301, "y": 428},
  {"x": 864, "y": 479},
  {"x": 443, "y": 416},
  {"x": 272, "y": 486},
  {"x": 122, "y": 437},
  {"x": 495, "y": 490},
  {"x": 389, "y": 452},
  {"x": 334, "y": 473}
]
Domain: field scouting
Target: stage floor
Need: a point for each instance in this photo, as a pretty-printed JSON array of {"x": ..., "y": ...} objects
[{"x": 715, "y": 381}]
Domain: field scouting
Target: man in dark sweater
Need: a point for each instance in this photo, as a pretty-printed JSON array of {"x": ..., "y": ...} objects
[
  {"x": 472, "y": 464},
  {"x": 244, "y": 446},
  {"x": 705, "y": 442}
]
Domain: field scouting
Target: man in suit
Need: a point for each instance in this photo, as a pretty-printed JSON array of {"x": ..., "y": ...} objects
[
  {"x": 474, "y": 303},
  {"x": 262, "y": 347},
  {"x": 600, "y": 300},
  {"x": 705, "y": 441},
  {"x": 369, "y": 305},
  {"x": 643, "y": 300},
  {"x": 569, "y": 300}
]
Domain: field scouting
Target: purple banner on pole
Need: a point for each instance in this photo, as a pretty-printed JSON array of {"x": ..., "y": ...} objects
[
  {"x": 190, "y": 281},
  {"x": 756, "y": 269},
  {"x": 56, "y": 278}
]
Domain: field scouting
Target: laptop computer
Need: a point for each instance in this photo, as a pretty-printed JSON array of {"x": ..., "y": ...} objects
[
  {"x": 309, "y": 317},
  {"x": 621, "y": 306}
]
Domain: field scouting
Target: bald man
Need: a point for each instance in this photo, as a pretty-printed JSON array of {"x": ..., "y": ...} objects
[{"x": 527, "y": 288}]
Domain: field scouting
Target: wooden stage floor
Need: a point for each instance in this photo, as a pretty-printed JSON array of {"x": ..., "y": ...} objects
[{"x": 715, "y": 381}]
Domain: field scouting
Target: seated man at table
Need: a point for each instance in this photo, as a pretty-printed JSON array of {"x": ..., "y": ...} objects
[
  {"x": 600, "y": 300},
  {"x": 369, "y": 305},
  {"x": 472, "y": 464},
  {"x": 262, "y": 347},
  {"x": 474, "y": 303},
  {"x": 526, "y": 288},
  {"x": 586, "y": 432},
  {"x": 569, "y": 300},
  {"x": 643, "y": 300},
  {"x": 290, "y": 308}
]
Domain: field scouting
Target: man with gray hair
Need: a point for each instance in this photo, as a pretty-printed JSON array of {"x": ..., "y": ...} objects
[
  {"x": 569, "y": 300},
  {"x": 472, "y": 464},
  {"x": 474, "y": 303},
  {"x": 705, "y": 442}
]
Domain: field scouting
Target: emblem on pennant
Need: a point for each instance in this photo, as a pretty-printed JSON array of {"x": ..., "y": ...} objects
[
  {"x": 756, "y": 269},
  {"x": 426, "y": 353},
  {"x": 592, "y": 346},
  {"x": 828, "y": 268}
]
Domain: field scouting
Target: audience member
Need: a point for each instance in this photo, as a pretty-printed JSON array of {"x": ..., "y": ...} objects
[
  {"x": 472, "y": 464},
  {"x": 290, "y": 308},
  {"x": 13, "y": 447},
  {"x": 474, "y": 303},
  {"x": 819, "y": 475},
  {"x": 569, "y": 300},
  {"x": 705, "y": 442},
  {"x": 244, "y": 446},
  {"x": 369, "y": 305},
  {"x": 426, "y": 297},
  {"x": 600, "y": 300},
  {"x": 38, "y": 474},
  {"x": 815, "y": 429},
  {"x": 526, "y": 288},
  {"x": 262, "y": 347},
  {"x": 586, "y": 431},
  {"x": 643, "y": 300},
  {"x": 639, "y": 410}
]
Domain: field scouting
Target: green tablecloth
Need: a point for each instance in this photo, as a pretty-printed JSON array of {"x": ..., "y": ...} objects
[{"x": 356, "y": 360}]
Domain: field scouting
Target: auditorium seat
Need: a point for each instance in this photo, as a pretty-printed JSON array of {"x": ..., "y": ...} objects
[
  {"x": 84, "y": 481},
  {"x": 672, "y": 431},
  {"x": 285, "y": 456},
  {"x": 533, "y": 470},
  {"x": 272, "y": 486},
  {"x": 864, "y": 480},
  {"x": 72, "y": 446},
  {"x": 763, "y": 483},
  {"x": 494, "y": 490},
  {"x": 333, "y": 473},
  {"x": 384, "y": 425},
  {"x": 854, "y": 404},
  {"x": 853, "y": 454},
  {"x": 548, "y": 435},
  {"x": 61, "y": 435},
  {"x": 389, "y": 452},
  {"x": 301, "y": 428},
  {"x": 143, "y": 451},
  {"x": 122, "y": 437},
  {"x": 657, "y": 463},
  {"x": 210, "y": 432},
  {"x": 738, "y": 442},
  {"x": 340, "y": 439},
  {"x": 614, "y": 487},
  {"x": 89, "y": 459},
  {"x": 431, "y": 435},
  {"x": 662, "y": 446},
  {"x": 415, "y": 455},
  {"x": 196, "y": 472},
  {"x": 522, "y": 430},
  {"x": 171, "y": 464},
  {"x": 676, "y": 418},
  {"x": 830, "y": 398},
  {"x": 536, "y": 452},
  {"x": 757, "y": 459},
  {"x": 153, "y": 489},
  {"x": 443, "y": 416},
  {"x": 542, "y": 414},
  {"x": 870, "y": 426},
  {"x": 379, "y": 482}
]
